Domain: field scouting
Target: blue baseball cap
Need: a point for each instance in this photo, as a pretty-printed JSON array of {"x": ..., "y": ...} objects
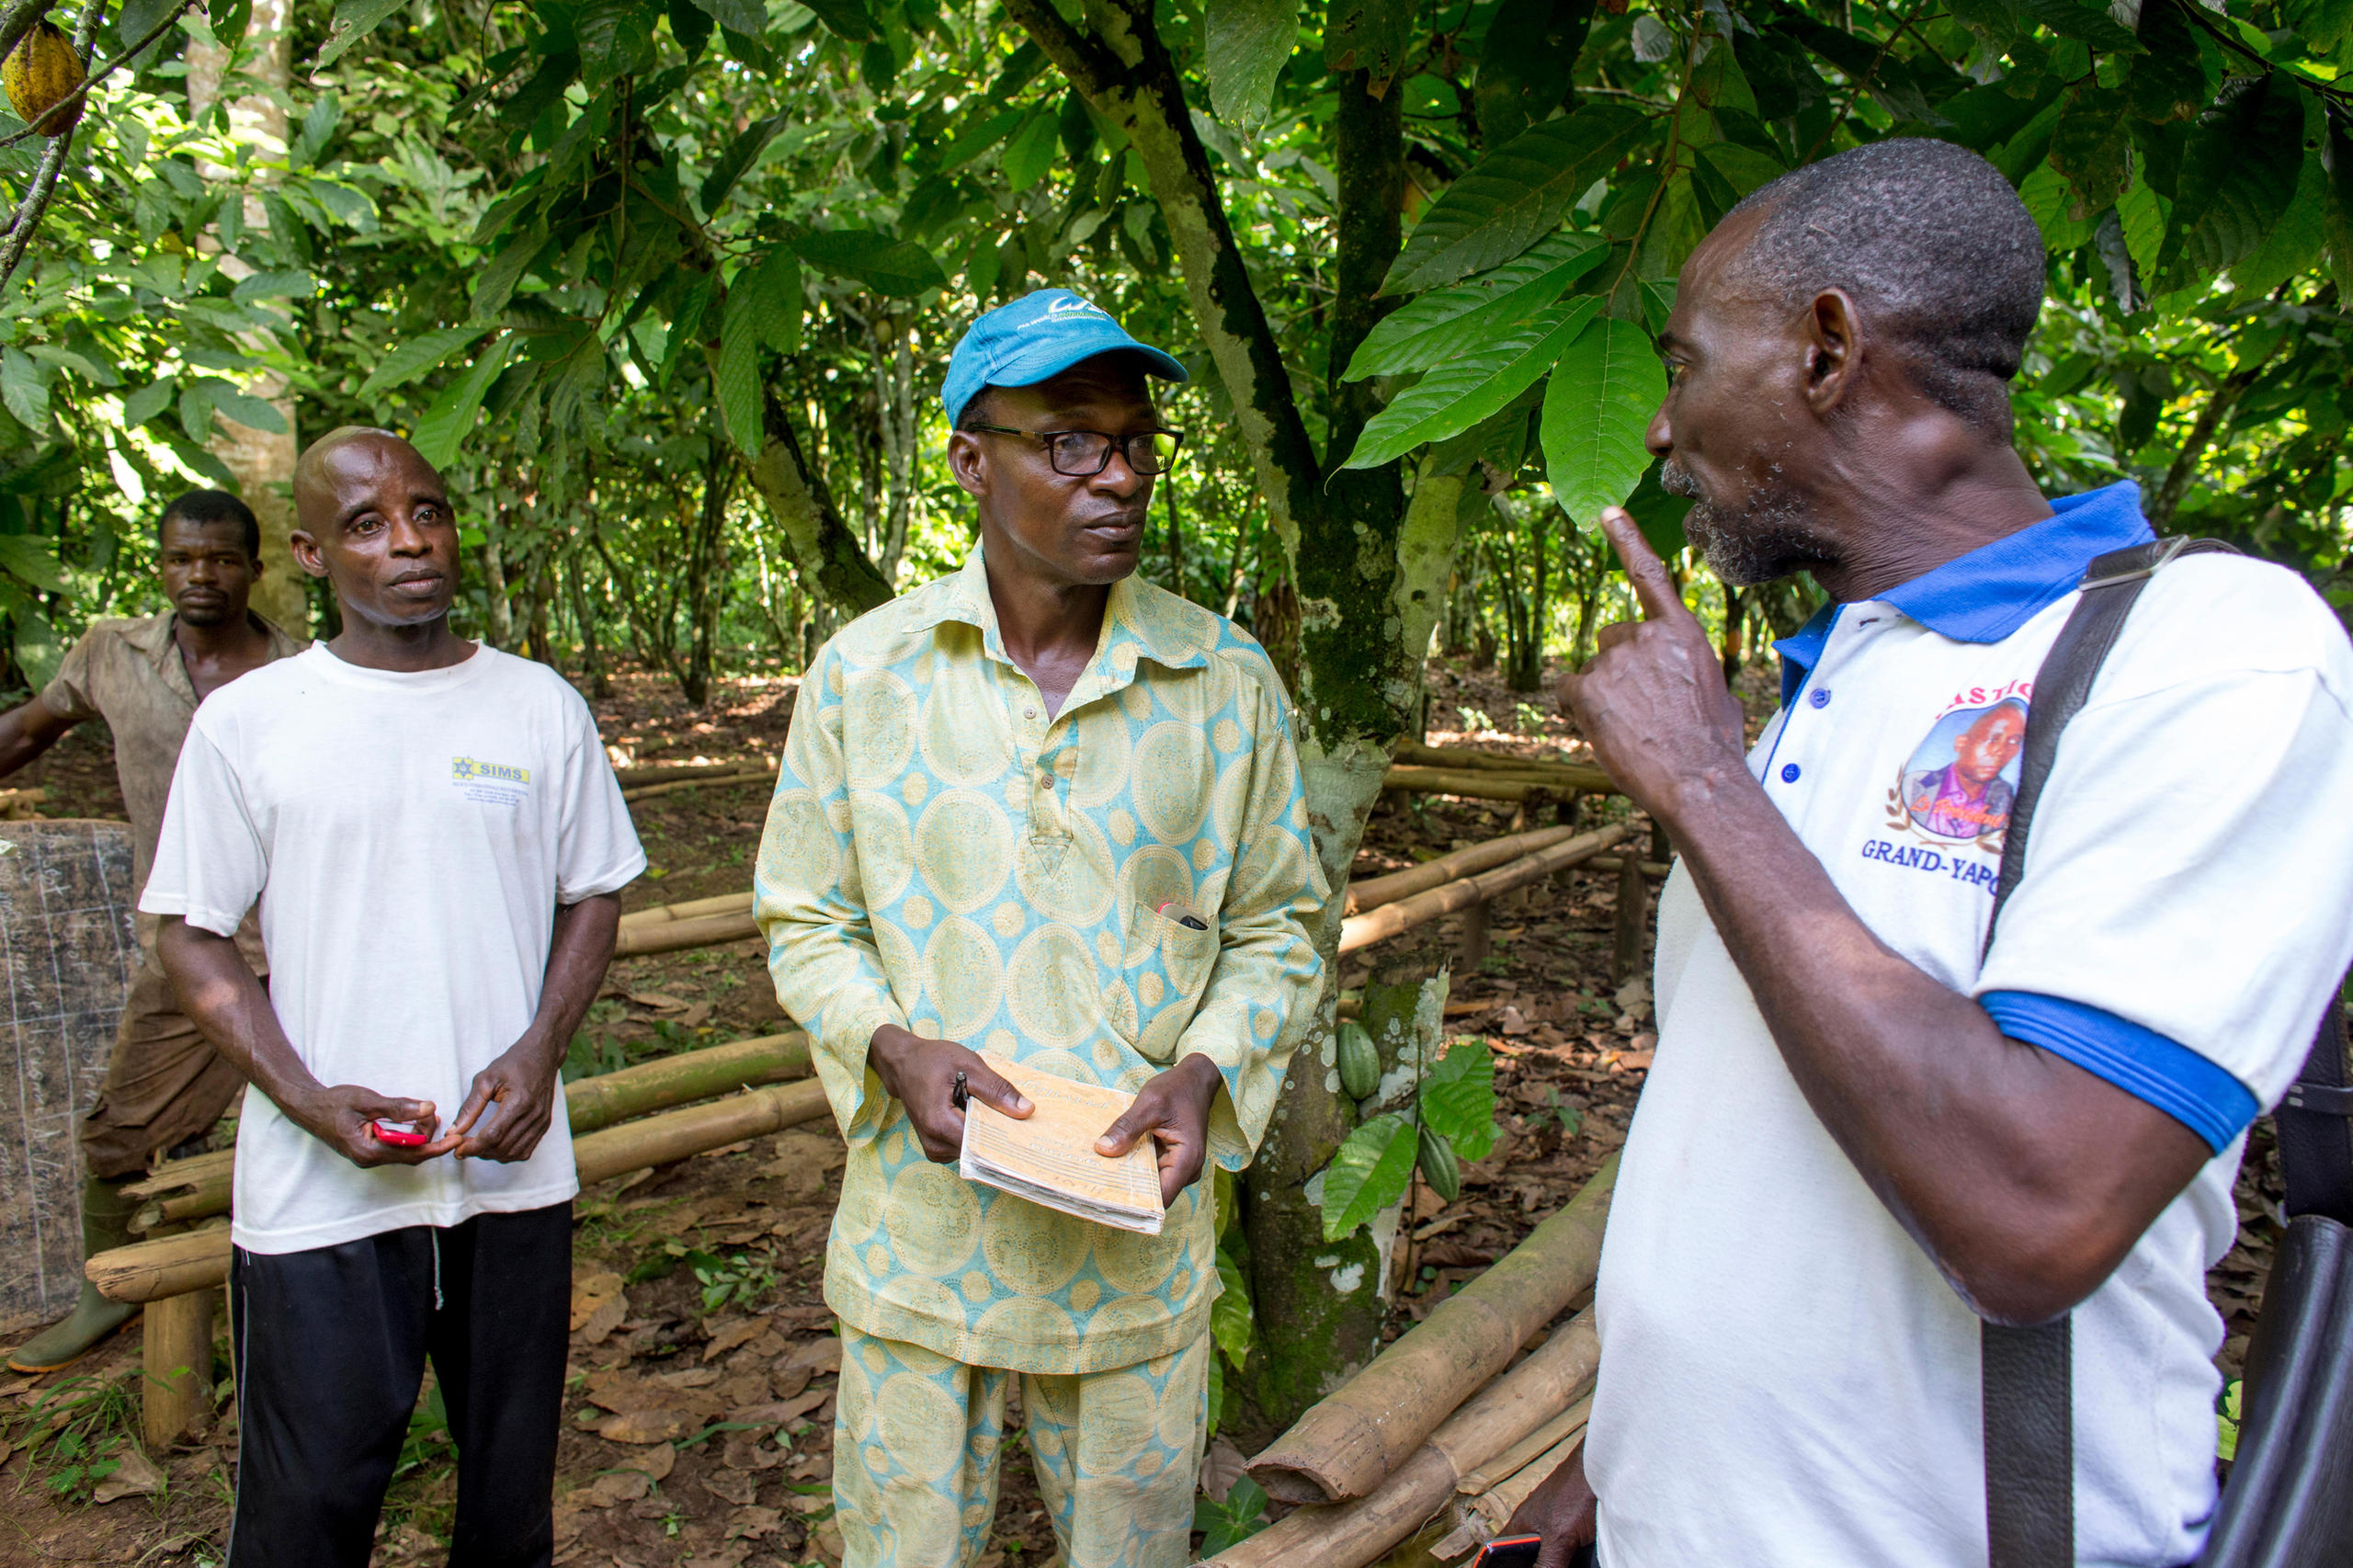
[{"x": 1037, "y": 337}]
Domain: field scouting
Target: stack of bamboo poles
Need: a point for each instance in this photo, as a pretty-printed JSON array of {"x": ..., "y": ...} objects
[
  {"x": 1424, "y": 770},
  {"x": 614, "y": 1133},
  {"x": 1490, "y": 775},
  {"x": 1444, "y": 886},
  {"x": 644, "y": 783},
  {"x": 1443, "y": 1430}
]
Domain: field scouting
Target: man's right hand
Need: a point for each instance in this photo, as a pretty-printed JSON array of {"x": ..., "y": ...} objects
[
  {"x": 920, "y": 1073},
  {"x": 1562, "y": 1510},
  {"x": 339, "y": 1116}
]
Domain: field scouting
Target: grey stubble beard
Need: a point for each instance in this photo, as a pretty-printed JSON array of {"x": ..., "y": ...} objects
[{"x": 1770, "y": 536}]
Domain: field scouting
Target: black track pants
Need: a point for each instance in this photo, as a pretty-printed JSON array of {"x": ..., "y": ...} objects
[{"x": 331, "y": 1346}]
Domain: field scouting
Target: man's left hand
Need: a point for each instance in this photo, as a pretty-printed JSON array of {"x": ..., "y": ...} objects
[
  {"x": 1653, "y": 702},
  {"x": 1173, "y": 1111},
  {"x": 516, "y": 1094}
]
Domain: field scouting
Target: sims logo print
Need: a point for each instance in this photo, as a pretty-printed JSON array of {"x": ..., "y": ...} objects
[{"x": 491, "y": 783}]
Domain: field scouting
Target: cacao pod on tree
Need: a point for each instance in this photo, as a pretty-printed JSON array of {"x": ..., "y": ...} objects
[{"x": 38, "y": 73}]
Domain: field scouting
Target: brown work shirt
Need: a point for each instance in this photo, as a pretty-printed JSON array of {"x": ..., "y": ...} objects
[{"x": 129, "y": 673}]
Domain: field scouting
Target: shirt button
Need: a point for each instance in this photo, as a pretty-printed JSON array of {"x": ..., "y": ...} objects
[
  {"x": 1789, "y": 773},
  {"x": 1029, "y": 712},
  {"x": 1821, "y": 697}
]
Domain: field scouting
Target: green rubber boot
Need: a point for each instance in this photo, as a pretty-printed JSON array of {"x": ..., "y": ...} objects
[{"x": 106, "y": 1224}]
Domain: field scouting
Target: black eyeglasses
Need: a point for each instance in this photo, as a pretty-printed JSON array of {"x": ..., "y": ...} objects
[{"x": 1083, "y": 454}]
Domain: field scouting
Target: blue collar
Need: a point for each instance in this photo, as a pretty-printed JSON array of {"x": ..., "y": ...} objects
[{"x": 1988, "y": 594}]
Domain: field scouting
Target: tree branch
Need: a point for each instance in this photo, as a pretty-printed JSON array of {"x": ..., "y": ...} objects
[
  {"x": 824, "y": 550},
  {"x": 1126, "y": 74}
]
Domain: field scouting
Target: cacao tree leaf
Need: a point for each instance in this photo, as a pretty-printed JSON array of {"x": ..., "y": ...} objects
[
  {"x": 25, "y": 390},
  {"x": 2295, "y": 241},
  {"x": 1600, "y": 401},
  {"x": 1371, "y": 1172},
  {"x": 1373, "y": 36},
  {"x": 1513, "y": 197},
  {"x": 25, "y": 559},
  {"x": 149, "y": 401},
  {"x": 2238, "y": 174},
  {"x": 736, "y": 379},
  {"x": 1464, "y": 317},
  {"x": 354, "y": 20},
  {"x": 896, "y": 268},
  {"x": 2337, "y": 152},
  {"x": 254, "y": 413},
  {"x": 1231, "y": 1322},
  {"x": 451, "y": 419},
  {"x": 1031, "y": 152},
  {"x": 1524, "y": 65},
  {"x": 846, "y": 19},
  {"x": 296, "y": 284},
  {"x": 416, "y": 356},
  {"x": 2091, "y": 146},
  {"x": 2179, "y": 74},
  {"x": 1461, "y": 393},
  {"x": 1459, "y": 1098},
  {"x": 746, "y": 16},
  {"x": 2094, "y": 26},
  {"x": 2144, "y": 214},
  {"x": 1248, "y": 44},
  {"x": 978, "y": 140},
  {"x": 742, "y": 152},
  {"x": 2050, "y": 203}
]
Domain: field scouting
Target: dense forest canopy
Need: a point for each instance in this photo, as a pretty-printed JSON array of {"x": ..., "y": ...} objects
[{"x": 668, "y": 289}]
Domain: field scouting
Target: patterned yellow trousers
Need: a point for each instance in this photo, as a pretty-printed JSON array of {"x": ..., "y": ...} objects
[{"x": 917, "y": 1440}]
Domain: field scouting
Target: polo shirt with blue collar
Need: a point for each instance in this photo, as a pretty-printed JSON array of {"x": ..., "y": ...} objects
[{"x": 1786, "y": 1379}]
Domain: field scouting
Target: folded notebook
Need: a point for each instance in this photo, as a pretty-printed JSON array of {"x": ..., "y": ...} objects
[{"x": 1048, "y": 1158}]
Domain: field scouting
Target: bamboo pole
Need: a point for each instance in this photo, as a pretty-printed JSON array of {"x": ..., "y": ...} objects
[
  {"x": 1584, "y": 776},
  {"x": 693, "y": 908},
  {"x": 1464, "y": 785},
  {"x": 1363, "y": 930},
  {"x": 1522, "y": 1401},
  {"x": 1371, "y": 893},
  {"x": 747, "y": 775},
  {"x": 198, "y": 1188},
  {"x": 1347, "y": 1443},
  {"x": 176, "y": 1354},
  {"x": 1481, "y": 1518},
  {"x": 1654, "y": 869},
  {"x": 1633, "y": 896},
  {"x": 148, "y": 1271},
  {"x": 655, "y": 773},
  {"x": 700, "y": 931}
]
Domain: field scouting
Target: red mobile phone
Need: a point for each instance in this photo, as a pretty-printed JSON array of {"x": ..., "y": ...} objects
[
  {"x": 1511, "y": 1552},
  {"x": 404, "y": 1135}
]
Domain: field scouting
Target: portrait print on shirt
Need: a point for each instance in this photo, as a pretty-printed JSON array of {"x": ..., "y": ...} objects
[{"x": 1959, "y": 783}]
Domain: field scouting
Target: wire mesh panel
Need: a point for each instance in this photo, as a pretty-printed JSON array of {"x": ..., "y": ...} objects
[{"x": 67, "y": 948}]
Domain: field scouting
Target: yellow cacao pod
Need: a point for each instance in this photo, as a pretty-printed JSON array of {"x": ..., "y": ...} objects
[{"x": 41, "y": 71}]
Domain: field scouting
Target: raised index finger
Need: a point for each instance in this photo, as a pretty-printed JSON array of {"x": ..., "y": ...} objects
[{"x": 1644, "y": 570}]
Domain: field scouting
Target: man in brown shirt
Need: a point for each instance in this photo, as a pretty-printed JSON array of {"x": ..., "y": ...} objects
[{"x": 144, "y": 678}]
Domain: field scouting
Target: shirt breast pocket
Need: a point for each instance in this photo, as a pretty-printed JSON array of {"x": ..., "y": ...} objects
[{"x": 1165, "y": 965}]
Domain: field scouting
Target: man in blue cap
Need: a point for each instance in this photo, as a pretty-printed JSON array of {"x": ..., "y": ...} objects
[{"x": 1041, "y": 817}]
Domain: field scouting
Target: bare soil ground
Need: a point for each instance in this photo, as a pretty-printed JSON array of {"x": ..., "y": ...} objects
[{"x": 698, "y": 1419}]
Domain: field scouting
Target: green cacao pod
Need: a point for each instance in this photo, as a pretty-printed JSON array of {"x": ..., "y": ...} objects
[
  {"x": 1438, "y": 1168},
  {"x": 39, "y": 71},
  {"x": 1359, "y": 1064}
]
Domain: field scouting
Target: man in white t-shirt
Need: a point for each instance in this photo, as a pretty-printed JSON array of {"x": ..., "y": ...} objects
[
  {"x": 1860, "y": 1139},
  {"x": 437, "y": 843}
]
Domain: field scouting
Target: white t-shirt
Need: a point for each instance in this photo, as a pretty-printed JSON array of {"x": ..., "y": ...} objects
[
  {"x": 410, "y": 836},
  {"x": 1786, "y": 1380}
]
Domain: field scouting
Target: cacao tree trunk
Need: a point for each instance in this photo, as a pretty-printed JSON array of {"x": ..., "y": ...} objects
[{"x": 261, "y": 460}]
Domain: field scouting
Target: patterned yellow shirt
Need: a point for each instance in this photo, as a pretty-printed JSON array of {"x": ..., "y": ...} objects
[{"x": 942, "y": 856}]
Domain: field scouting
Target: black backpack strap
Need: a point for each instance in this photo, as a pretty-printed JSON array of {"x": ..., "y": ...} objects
[{"x": 2027, "y": 1374}]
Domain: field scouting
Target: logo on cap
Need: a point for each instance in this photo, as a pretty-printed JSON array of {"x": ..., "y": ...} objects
[{"x": 1072, "y": 305}]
